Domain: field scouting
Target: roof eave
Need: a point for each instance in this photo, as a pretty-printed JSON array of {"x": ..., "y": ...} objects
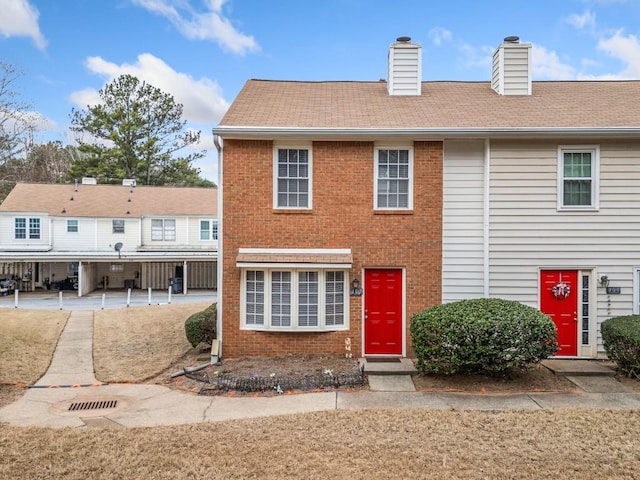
[{"x": 242, "y": 132}]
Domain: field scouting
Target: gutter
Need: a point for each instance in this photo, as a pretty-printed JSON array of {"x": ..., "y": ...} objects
[
  {"x": 262, "y": 132},
  {"x": 218, "y": 353}
]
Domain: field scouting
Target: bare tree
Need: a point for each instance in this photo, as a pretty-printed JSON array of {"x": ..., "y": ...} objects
[{"x": 16, "y": 120}]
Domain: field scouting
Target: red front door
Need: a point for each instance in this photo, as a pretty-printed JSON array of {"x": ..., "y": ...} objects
[
  {"x": 561, "y": 306},
  {"x": 383, "y": 312}
]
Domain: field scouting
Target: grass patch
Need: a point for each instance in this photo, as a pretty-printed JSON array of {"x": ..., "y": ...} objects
[
  {"x": 29, "y": 338},
  {"x": 366, "y": 444},
  {"x": 135, "y": 344}
]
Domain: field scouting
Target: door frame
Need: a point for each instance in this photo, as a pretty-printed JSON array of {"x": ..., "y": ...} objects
[
  {"x": 403, "y": 271},
  {"x": 584, "y": 351}
]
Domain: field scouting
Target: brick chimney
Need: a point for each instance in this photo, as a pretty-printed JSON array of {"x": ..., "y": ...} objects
[
  {"x": 512, "y": 68},
  {"x": 405, "y": 68}
]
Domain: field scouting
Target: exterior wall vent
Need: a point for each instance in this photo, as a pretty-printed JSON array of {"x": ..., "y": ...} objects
[
  {"x": 511, "y": 73},
  {"x": 89, "y": 181},
  {"x": 405, "y": 68}
]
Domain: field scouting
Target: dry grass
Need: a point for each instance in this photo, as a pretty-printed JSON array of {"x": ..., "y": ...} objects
[
  {"x": 135, "y": 344},
  {"x": 29, "y": 338},
  {"x": 366, "y": 444}
]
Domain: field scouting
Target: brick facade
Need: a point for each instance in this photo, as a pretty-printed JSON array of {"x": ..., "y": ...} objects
[{"x": 342, "y": 217}]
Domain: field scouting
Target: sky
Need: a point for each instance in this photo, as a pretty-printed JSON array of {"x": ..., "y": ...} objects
[{"x": 203, "y": 51}]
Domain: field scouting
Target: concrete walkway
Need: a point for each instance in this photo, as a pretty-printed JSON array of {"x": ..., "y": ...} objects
[{"x": 69, "y": 396}]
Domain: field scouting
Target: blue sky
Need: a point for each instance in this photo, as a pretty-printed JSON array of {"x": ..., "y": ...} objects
[{"x": 202, "y": 51}]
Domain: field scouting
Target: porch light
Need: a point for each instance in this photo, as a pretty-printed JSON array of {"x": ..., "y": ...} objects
[
  {"x": 355, "y": 291},
  {"x": 604, "y": 281}
]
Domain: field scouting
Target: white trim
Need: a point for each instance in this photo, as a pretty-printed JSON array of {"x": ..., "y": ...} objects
[
  {"x": 287, "y": 265},
  {"x": 297, "y": 251},
  {"x": 636, "y": 292},
  {"x": 376, "y": 151},
  {"x": 321, "y": 327},
  {"x": 594, "y": 150},
  {"x": 486, "y": 231},
  {"x": 284, "y": 146},
  {"x": 420, "y": 133}
]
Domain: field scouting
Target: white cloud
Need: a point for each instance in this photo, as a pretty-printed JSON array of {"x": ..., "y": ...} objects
[
  {"x": 210, "y": 24},
  {"x": 546, "y": 65},
  {"x": 625, "y": 48},
  {"x": 20, "y": 19},
  {"x": 438, "y": 35},
  {"x": 201, "y": 99},
  {"x": 587, "y": 19},
  {"x": 476, "y": 57}
]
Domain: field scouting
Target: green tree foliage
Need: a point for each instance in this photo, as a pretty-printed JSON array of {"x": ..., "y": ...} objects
[{"x": 135, "y": 132}]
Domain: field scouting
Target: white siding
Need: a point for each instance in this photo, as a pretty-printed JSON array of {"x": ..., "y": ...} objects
[
  {"x": 463, "y": 220},
  {"x": 106, "y": 239},
  {"x": 405, "y": 69},
  {"x": 83, "y": 239},
  {"x": 528, "y": 233},
  {"x": 511, "y": 74}
]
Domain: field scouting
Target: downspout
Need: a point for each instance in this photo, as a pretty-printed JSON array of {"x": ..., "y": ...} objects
[
  {"x": 486, "y": 219},
  {"x": 216, "y": 141}
]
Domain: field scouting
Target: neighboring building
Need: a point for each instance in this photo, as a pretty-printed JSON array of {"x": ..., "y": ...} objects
[
  {"x": 87, "y": 236},
  {"x": 425, "y": 192}
]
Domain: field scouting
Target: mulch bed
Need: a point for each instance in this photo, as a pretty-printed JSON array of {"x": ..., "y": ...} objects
[{"x": 279, "y": 374}]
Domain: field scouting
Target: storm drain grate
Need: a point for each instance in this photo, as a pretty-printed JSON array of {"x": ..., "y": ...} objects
[{"x": 74, "y": 407}]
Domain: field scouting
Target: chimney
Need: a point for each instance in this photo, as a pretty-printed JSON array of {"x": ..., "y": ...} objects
[
  {"x": 405, "y": 68},
  {"x": 512, "y": 68}
]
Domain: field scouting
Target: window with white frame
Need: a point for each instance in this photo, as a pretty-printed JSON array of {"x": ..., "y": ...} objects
[
  {"x": 292, "y": 172},
  {"x": 208, "y": 229},
  {"x": 34, "y": 228},
  {"x": 393, "y": 179},
  {"x": 20, "y": 228},
  {"x": 578, "y": 178},
  {"x": 163, "y": 229},
  {"x": 72, "y": 226},
  {"x": 118, "y": 225},
  {"x": 295, "y": 299}
]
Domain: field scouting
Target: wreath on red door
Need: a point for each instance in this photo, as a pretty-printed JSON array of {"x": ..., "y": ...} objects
[{"x": 561, "y": 290}]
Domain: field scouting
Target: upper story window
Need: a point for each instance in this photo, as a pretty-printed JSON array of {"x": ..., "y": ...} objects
[
  {"x": 393, "y": 179},
  {"x": 163, "y": 229},
  {"x": 292, "y": 172},
  {"x": 20, "y": 230},
  {"x": 578, "y": 172},
  {"x": 118, "y": 226},
  {"x": 208, "y": 229},
  {"x": 72, "y": 226}
]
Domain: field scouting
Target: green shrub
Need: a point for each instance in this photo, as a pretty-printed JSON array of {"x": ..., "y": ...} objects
[
  {"x": 621, "y": 339},
  {"x": 485, "y": 335},
  {"x": 201, "y": 326}
]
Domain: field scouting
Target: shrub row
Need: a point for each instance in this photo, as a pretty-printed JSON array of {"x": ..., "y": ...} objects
[
  {"x": 481, "y": 336},
  {"x": 621, "y": 339},
  {"x": 201, "y": 326}
]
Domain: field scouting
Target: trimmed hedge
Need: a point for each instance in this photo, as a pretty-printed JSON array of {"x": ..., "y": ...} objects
[
  {"x": 621, "y": 339},
  {"x": 485, "y": 335},
  {"x": 201, "y": 326}
]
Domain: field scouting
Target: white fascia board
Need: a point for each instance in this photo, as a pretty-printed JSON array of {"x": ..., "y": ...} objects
[
  {"x": 297, "y": 251},
  {"x": 311, "y": 266},
  {"x": 231, "y": 132}
]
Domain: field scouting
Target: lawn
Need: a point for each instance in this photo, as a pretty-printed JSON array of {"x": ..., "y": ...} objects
[
  {"x": 29, "y": 338},
  {"x": 135, "y": 344},
  {"x": 365, "y": 444}
]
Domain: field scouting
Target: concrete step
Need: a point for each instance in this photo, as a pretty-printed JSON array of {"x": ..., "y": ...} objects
[
  {"x": 391, "y": 383},
  {"x": 578, "y": 368},
  {"x": 396, "y": 366}
]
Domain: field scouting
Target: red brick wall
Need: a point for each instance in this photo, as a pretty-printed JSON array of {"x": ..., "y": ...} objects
[{"x": 342, "y": 217}]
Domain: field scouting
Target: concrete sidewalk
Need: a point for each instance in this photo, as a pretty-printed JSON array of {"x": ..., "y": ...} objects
[{"x": 69, "y": 396}]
